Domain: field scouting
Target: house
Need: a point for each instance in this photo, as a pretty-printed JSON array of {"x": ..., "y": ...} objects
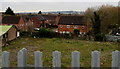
[
  {"x": 70, "y": 23},
  {"x": 8, "y": 33},
  {"x": 18, "y": 21},
  {"x": 38, "y": 21},
  {"x": 51, "y": 19},
  {"x": 29, "y": 24}
]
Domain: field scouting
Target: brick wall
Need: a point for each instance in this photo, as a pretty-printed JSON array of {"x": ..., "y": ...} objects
[
  {"x": 22, "y": 25},
  {"x": 70, "y": 28},
  {"x": 57, "y": 19}
]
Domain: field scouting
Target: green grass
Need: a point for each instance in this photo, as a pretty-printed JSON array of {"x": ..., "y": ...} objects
[{"x": 65, "y": 46}]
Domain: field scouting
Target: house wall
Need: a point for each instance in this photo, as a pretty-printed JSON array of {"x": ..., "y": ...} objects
[
  {"x": 12, "y": 33},
  {"x": 30, "y": 26},
  {"x": 36, "y": 22},
  {"x": 22, "y": 25},
  {"x": 71, "y": 29},
  {"x": 2, "y": 42},
  {"x": 57, "y": 19}
]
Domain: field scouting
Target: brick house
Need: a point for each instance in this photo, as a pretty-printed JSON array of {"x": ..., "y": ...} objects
[
  {"x": 8, "y": 33},
  {"x": 68, "y": 23},
  {"x": 29, "y": 24},
  {"x": 38, "y": 21},
  {"x": 51, "y": 19},
  {"x": 18, "y": 21}
]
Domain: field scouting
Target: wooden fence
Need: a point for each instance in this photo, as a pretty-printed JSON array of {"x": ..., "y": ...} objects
[{"x": 56, "y": 61}]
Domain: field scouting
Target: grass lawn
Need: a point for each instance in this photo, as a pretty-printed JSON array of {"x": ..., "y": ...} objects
[{"x": 65, "y": 46}]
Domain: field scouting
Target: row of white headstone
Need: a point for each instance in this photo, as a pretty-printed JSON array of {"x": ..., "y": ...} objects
[{"x": 22, "y": 59}]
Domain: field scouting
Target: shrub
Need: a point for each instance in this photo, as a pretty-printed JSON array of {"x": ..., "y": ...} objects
[
  {"x": 43, "y": 32},
  {"x": 66, "y": 35},
  {"x": 99, "y": 37},
  {"x": 25, "y": 33},
  {"x": 118, "y": 40},
  {"x": 76, "y": 31}
]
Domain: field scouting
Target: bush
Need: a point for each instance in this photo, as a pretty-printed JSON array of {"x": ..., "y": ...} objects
[
  {"x": 66, "y": 35},
  {"x": 44, "y": 33},
  {"x": 118, "y": 40},
  {"x": 76, "y": 31},
  {"x": 25, "y": 33},
  {"x": 99, "y": 37}
]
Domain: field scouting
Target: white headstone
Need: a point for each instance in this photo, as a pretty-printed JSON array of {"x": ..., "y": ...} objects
[
  {"x": 5, "y": 59},
  {"x": 22, "y": 58},
  {"x": 38, "y": 59},
  {"x": 75, "y": 60},
  {"x": 56, "y": 59},
  {"x": 116, "y": 59},
  {"x": 96, "y": 60}
]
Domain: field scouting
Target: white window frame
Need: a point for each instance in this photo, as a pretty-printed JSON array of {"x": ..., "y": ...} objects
[
  {"x": 67, "y": 32},
  {"x": 83, "y": 27},
  {"x": 61, "y": 26},
  {"x": 68, "y": 26},
  {"x": 75, "y": 26},
  {"x": 61, "y": 32},
  {"x": 80, "y": 32}
]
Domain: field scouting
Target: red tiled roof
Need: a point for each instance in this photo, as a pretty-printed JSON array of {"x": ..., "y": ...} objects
[
  {"x": 49, "y": 17},
  {"x": 10, "y": 19},
  {"x": 72, "y": 20}
]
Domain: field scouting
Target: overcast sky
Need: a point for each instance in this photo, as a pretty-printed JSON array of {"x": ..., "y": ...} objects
[{"x": 53, "y": 5}]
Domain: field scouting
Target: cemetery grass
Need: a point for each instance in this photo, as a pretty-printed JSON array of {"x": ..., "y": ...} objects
[{"x": 65, "y": 46}]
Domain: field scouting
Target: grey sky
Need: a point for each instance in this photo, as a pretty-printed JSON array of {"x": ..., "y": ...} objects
[
  {"x": 24, "y": 6},
  {"x": 59, "y": 0}
]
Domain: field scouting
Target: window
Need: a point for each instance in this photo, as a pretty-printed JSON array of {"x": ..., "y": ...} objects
[
  {"x": 84, "y": 33},
  {"x": 5, "y": 35},
  {"x": 68, "y": 26},
  {"x": 80, "y": 32},
  {"x": 67, "y": 32},
  {"x": 82, "y": 27},
  {"x": 61, "y": 32},
  {"x": 61, "y": 26},
  {"x": 18, "y": 34},
  {"x": 75, "y": 26}
]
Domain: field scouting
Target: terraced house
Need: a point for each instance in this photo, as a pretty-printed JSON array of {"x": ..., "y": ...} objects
[
  {"x": 51, "y": 19},
  {"x": 70, "y": 23},
  {"x": 18, "y": 21},
  {"x": 38, "y": 20}
]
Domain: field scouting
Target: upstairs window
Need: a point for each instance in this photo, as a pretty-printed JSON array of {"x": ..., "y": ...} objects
[
  {"x": 61, "y": 26},
  {"x": 83, "y": 27},
  {"x": 68, "y": 26},
  {"x": 75, "y": 26}
]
